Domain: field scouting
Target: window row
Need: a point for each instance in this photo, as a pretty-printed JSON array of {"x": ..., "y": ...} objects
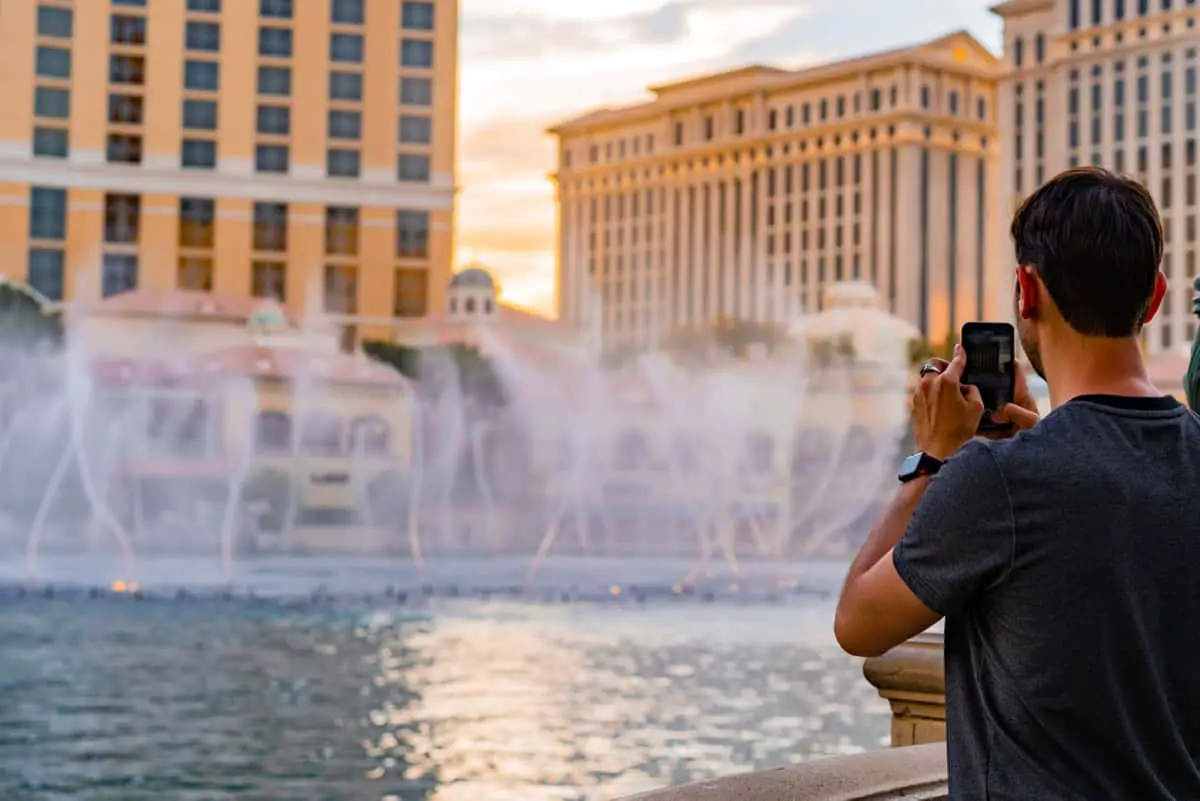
[{"x": 197, "y": 224}]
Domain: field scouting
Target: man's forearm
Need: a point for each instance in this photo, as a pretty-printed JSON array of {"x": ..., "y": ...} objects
[{"x": 890, "y": 528}]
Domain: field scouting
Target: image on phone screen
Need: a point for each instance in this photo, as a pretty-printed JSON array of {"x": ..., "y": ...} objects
[{"x": 990, "y": 363}]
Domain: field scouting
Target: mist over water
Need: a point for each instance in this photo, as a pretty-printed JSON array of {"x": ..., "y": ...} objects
[{"x": 267, "y": 569}]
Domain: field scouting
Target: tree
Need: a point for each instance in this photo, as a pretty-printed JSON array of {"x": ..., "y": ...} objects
[
  {"x": 24, "y": 321},
  {"x": 919, "y": 350},
  {"x": 474, "y": 372},
  {"x": 728, "y": 336}
]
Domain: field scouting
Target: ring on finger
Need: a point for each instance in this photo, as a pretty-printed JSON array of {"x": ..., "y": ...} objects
[{"x": 930, "y": 367}]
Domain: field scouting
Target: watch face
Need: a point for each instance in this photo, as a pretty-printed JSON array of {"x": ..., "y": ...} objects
[{"x": 911, "y": 464}]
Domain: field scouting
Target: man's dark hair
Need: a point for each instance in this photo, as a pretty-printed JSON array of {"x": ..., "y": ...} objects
[{"x": 1096, "y": 240}]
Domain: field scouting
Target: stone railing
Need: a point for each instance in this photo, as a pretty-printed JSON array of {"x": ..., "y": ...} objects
[{"x": 911, "y": 679}]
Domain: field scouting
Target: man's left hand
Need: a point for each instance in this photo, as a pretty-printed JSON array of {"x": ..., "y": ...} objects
[{"x": 946, "y": 414}]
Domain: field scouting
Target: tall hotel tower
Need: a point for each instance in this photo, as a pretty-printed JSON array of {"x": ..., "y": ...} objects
[
  {"x": 744, "y": 194},
  {"x": 1113, "y": 83},
  {"x": 247, "y": 147}
]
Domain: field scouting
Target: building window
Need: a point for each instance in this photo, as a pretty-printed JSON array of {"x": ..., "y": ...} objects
[
  {"x": 201, "y": 75},
  {"x": 411, "y": 293},
  {"x": 346, "y": 48},
  {"x": 341, "y": 289},
  {"x": 270, "y": 227},
  {"x": 195, "y": 273},
  {"x": 46, "y": 272},
  {"x": 205, "y": 6},
  {"x": 47, "y": 213},
  {"x": 127, "y": 70},
  {"x": 50, "y": 102},
  {"x": 416, "y": 92},
  {"x": 345, "y": 86},
  {"x": 51, "y": 142},
  {"x": 128, "y": 30},
  {"x": 205, "y": 36},
  {"x": 119, "y": 273},
  {"x": 416, "y": 16},
  {"x": 415, "y": 130},
  {"x": 274, "y": 120},
  {"x": 277, "y": 9},
  {"x": 275, "y": 42},
  {"x": 57, "y": 23},
  {"x": 197, "y": 222},
  {"x": 271, "y": 158},
  {"x": 413, "y": 167},
  {"x": 199, "y": 153},
  {"x": 348, "y": 12},
  {"x": 345, "y": 125},
  {"x": 125, "y": 109},
  {"x": 124, "y": 149},
  {"x": 340, "y": 163},
  {"x": 416, "y": 53},
  {"x": 200, "y": 115},
  {"x": 121, "y": 217},
  {"x": 412, "y": 234},
  {"x": 341, "y": 231},
  {"x": 268, "y": 279},
  {"x": 275, "y": 81},
  {"x": 53, "y": 62}
]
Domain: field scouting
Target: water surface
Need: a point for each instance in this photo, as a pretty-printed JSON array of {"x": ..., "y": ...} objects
[{"x": 201, "y": 697}]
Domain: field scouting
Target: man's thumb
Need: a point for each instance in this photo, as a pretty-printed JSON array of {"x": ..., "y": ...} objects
[
  {"x": 1019, "y": 416},
  {"x": 958, "y": 363}
]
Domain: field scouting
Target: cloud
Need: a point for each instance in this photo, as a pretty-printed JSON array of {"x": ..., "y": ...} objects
[{"x": 527, "y": 35}]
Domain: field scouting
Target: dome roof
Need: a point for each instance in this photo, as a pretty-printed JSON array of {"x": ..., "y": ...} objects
[{"x": 473, "y": 278}]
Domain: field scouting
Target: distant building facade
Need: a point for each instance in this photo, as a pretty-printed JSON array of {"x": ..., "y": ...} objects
[
  {"x": 1112, "y": 83},
  {"x": 270, "y": 148},
  {"x": 744, "y": 194}
]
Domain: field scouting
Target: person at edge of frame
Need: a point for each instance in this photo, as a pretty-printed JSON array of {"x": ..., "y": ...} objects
[{"x": 1065, "y": 559}]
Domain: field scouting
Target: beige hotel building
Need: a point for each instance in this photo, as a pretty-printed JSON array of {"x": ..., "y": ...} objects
[
  {"x": 744, "y": 194},
  {"x": 274, "y": 148},
  {"x": 1109, "y": 82}
]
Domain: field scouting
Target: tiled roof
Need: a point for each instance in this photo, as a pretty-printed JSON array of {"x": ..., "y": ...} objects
[
  {"x": 294, "y": 363},
  {"x": 180, "y": 303}
]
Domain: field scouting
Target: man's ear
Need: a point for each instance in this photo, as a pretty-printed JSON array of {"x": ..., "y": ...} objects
[
  {"x": 1160, "y": 292},
  {"x": 1027, "y": 283}
]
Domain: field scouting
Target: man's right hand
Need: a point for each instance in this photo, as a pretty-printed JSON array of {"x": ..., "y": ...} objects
[{"x": 1022, "y": 413}]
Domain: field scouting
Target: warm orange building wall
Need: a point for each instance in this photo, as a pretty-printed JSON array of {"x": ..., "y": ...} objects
[{"x": 234, "y": 185}]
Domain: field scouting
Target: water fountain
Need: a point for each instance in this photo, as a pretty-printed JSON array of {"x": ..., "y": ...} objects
[{"x": 211, "y": 441}]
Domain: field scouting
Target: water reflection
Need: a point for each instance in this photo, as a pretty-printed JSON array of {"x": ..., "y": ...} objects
[{"x": 124, "y": 700}]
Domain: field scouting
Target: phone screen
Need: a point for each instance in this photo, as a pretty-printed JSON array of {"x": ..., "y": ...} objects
[{"x": 990, "y": 362}]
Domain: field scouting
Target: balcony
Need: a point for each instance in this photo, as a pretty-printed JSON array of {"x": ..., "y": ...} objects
[{"x": 911, "y": 678}]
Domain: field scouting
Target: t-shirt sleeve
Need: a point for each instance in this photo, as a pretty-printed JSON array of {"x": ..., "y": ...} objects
[{"x": 961, "y": 539}]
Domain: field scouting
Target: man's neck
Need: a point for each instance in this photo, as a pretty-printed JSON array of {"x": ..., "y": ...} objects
[{"x": 1096, "y": 366}]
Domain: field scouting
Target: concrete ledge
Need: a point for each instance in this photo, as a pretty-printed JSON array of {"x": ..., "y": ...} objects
[
  {"x": 917, "y": 773},
  {"x": 912, "y": 679}
]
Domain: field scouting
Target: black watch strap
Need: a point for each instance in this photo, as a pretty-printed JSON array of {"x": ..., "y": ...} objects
[{"x": 919, "y": 465}]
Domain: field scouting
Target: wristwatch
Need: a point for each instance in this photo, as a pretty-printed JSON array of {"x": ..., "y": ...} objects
[{"x": 919, "y": 465}]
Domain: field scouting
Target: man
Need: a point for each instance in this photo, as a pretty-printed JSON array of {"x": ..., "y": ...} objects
[{"x": 1066, "y": 559}]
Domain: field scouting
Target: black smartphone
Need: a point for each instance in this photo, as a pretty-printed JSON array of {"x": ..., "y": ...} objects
[{"x": 991, "y": 367}]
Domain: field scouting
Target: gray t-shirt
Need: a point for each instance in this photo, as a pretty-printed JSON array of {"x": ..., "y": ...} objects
[{"x": 1067, "y": 563}]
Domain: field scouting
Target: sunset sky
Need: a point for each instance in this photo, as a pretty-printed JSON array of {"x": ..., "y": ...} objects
[{"x": 527, "y": 64}]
